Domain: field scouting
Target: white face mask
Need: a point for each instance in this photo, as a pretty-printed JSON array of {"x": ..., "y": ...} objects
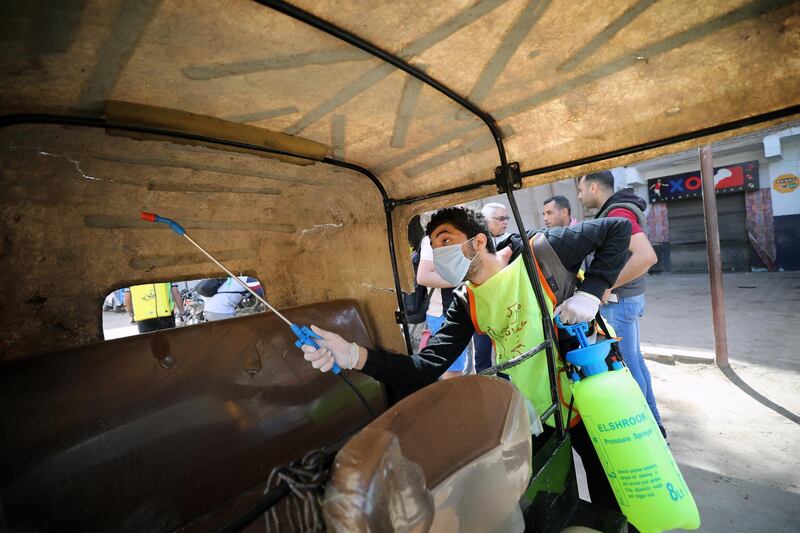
[{"x": 451, "y": 264}]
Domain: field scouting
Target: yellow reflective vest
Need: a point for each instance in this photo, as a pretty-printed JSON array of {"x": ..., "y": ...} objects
[{"x": 151, "y": 300}]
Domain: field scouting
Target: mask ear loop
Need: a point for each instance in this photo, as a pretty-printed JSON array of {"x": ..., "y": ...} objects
[
  {"x": 473, "y": 257},
  {"x": 473, "y": 246}
]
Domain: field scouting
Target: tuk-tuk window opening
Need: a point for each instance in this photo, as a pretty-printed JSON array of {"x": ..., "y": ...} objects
[{"x": 150, "y": 307}]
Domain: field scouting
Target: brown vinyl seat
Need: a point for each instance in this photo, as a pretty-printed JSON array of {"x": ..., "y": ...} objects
[
  {"x": 455, "y": 456},
  {"x": 157, "y": 431}
]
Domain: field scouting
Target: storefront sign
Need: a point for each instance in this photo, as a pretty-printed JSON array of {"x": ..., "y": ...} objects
[
  {"x": 731, "y": 178},
  {"x": 786, "y": 183}
]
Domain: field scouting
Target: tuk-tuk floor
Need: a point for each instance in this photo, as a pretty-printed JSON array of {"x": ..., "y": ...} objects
[{"x": 735, "y": 434}]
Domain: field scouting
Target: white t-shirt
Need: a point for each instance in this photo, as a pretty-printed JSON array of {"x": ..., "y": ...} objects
[
  {"x": 435, "y": 302},
  {"x": 227, "y": 298},
  {"x": 500, "y": 237}
]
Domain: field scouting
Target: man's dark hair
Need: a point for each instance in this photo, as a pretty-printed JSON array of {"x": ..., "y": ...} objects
[
  {"x": 464, "y": 220},
  {"x": 415, "y": 233},
  {"x": 561, "y": 202},
  {"x": 604, "y": 178}
]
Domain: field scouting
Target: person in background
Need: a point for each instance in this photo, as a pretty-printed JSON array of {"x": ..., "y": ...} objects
[
  {"x": 223, "y": 304},
  {"x": 497, "y": 218},
  {"x": 416, "y": 303},
  {"x": 623, "y": 303},
  {"x": 440, "y": 299},
  {"x": 556, "y": 212},
  {"x": 153, "y": 305}
]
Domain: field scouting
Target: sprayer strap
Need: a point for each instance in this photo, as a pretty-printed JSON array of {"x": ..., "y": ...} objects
[{"x": 614, "y": 345}]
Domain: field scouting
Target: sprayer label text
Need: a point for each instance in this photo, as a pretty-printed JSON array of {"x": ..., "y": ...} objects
[{"x": 623, "y": 422}]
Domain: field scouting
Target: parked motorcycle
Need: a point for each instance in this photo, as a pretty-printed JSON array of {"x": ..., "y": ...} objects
[
  {"x": 249, "y": 305},
  {"x": 192, "y": 308}
]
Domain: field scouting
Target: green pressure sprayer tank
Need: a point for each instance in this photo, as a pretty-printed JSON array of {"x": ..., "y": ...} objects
[{"x": 646, "y": 480}]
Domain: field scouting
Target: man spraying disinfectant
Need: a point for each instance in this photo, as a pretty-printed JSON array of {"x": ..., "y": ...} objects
[{"x": 498, "y": 299}]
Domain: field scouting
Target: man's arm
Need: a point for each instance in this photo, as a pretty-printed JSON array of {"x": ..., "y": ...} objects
[
  {"x": 426, "y": 272},
  {"x": 608, "y": 238},
  {"x": 428, "y": 277},
  {"x": 408, "y": 374},
  {"x": 176, "y": 297},
  {"x": 401, "y": 373},
  {"x": 642, "y": 258}
]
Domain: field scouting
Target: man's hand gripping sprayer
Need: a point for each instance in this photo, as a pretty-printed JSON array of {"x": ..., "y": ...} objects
[{"x": 303, "y": 333}]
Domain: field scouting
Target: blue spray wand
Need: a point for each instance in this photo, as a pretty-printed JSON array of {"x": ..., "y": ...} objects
[{"x": 303, "y": 333}]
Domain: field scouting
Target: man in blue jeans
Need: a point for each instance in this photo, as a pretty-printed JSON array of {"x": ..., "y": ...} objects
[{"x": 624, "y": 302}]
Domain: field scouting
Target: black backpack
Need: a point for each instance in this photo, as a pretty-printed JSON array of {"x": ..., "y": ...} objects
[{"x": 209, "y": 287}]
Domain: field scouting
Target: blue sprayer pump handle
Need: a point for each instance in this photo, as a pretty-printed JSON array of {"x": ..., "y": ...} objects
[
  {"x": 152, "y": 217},
  {"x": 578, "y": 331},
  {"x": 591, "y": 358},
  {"x": 306, "y": 336}
]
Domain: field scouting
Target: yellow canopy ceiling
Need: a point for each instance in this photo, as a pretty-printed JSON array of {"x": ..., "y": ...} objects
[{"x": 564, "y": 79}]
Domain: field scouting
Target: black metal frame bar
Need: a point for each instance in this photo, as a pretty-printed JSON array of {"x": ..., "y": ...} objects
[
  {"x": 344, "y": 35},
  {"x": 605, "y": 156},
  {"x": 99, "y": 123},
  {"x": 544, "y": 307},
  {"x": 675, "y": 139}
]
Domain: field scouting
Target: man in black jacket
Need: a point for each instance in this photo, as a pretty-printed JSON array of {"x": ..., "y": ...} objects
[{"x": 465, "y": 251}]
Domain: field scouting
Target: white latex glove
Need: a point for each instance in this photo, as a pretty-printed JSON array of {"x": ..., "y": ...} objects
[
  {"x": 333, "y": 348},
  {"x": 580, "y": 307}
]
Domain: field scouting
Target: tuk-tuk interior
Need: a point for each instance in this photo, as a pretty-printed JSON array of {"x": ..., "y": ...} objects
[{"x": 296, "y": 143}]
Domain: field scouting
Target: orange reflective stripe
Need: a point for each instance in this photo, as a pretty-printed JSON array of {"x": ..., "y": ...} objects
[
  {"x": 542, "y": 280},
  {"x": 576, "y": 416},
  {"x": 473, "y": 313}
]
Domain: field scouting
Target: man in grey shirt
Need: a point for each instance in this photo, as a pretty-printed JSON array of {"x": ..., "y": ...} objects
[{"x": 624, "y": 302}]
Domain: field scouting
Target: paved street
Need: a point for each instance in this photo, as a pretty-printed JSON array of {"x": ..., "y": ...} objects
[
  {"x": 736, "y": 434},
  {"x": 116, "y": 325}
]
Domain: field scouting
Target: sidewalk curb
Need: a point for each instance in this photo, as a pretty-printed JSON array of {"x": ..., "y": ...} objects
[{"x": 671, "y": 354}]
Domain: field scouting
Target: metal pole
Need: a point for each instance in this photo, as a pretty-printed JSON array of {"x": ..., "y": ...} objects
[
  {"x": 714, "y": 256},
  {"x": 394, "y": 60},
  {"x": 547, "y": 324}
]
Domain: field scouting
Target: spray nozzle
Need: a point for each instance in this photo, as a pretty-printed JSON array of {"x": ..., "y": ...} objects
[{"x": 152, "y": 217}]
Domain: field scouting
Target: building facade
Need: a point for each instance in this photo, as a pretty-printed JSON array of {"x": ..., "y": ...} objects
[{"x": 757, "y": 179}]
